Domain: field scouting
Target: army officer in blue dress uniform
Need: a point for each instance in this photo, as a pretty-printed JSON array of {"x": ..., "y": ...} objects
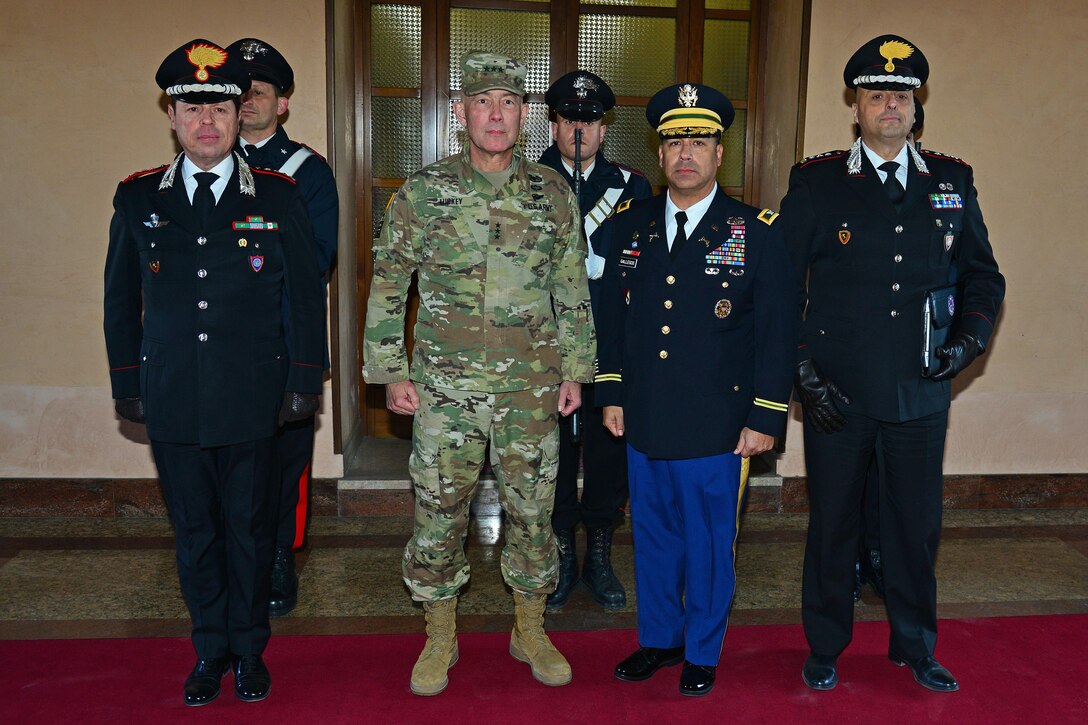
[
  {"x": 203, "y": 255},
  {"x": 695, "y": 356},
  {"x": 873, "y": 232}
]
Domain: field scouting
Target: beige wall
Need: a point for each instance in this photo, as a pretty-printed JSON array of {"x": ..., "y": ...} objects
[
  {"x": 1004, "y": 94},
  {"x": 79, "y": 111}
]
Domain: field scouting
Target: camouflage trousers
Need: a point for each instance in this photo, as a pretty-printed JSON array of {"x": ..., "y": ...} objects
[{"x": 449, "y": 437}]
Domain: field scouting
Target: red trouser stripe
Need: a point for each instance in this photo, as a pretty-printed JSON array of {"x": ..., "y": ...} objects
[{"x": 300, "y": 507}]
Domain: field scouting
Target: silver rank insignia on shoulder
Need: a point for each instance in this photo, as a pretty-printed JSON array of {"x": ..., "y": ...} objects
[{"x": 154, "y": 222}]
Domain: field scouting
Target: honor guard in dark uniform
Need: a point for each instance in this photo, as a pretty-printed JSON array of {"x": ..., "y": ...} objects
[
  {"x": 204, "y": 253},
  {"x": 696, "y": 335},
  {"x": 264, "y": 143},
  {"x": 883, "y": 234},
  {"x": 578, "y": 103}
]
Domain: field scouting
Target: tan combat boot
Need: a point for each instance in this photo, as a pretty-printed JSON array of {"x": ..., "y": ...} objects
[
  {"x": 440, "y": 653},
  {"x": 529, "y": 643}
]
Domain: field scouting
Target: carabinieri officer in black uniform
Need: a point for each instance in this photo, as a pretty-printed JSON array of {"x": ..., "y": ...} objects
[
  {"x": 203, "y": 254},
  {"x": 695, "y": 356},
  {"x": 876, "y": 230},
  {"x": 579, "y": 101},
  {"x": 264, "y": 143}
]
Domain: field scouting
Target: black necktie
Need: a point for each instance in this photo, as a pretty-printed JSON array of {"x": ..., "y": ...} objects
[
  {"x": 892, "y": 187},
  {"x": 681, "y": 235},
  {"x": 203, "y": 198}
]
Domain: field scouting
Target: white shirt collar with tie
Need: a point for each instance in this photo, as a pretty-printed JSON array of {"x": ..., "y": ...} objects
[
  {"x": 901, "y": 159},
  {"x": 246, "y": 145},
  {"x": 695, "y": 214},
  {"x": 223, "y": 170}
]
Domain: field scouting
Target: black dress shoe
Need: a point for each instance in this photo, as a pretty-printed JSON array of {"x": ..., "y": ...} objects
[
  {"x": 928, "y": 672},
  {"x": 252, "y": 680},
  {"x": 819, "y": 672},
  {"x": 283, "y": 594},
  {"x": 646, "y": 661},
  {"x": 697, "y": 680},
  {"x": 202, "y": 684}
]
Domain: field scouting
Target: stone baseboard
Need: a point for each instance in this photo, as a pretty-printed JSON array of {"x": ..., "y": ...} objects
[{"x": 141, "y": 497}]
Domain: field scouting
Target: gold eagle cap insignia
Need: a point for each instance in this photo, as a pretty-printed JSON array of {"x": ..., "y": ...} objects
[
  {"x": 689, "y": 96},
  {"x": 894, "y": 50},
  {"x": 204, "y": 57}
]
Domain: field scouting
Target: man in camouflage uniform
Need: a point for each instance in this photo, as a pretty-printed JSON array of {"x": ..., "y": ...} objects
[{"x": 503, "y": 340}]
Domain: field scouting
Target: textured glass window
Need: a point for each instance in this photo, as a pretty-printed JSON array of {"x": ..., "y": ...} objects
[
  {"x": 731, "y": 172},
  {"x": 634, "y": 3},
  {"x": 725, "y": 56},
  {"x": 394, "y": 45},
  {"x": 380, "y": 197},
  {"x": 630, "y": 141},
  {"x": 521, "y": 35},
  {"x": 728, "y": 4},
  {"x": 395, "y": 136},
  {"x": 634, "y": 55},
  {"x": 535, "y": 132}
]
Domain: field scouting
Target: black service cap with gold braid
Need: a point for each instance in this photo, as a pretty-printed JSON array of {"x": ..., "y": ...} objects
[
  {"x": 201, "y": 72},
  {"x": 887, "y": 63},
  {"x": 689, "y": 110}
]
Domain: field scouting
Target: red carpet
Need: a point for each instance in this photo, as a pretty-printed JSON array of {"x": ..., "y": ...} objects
[{"x": 1011, "y": 670}]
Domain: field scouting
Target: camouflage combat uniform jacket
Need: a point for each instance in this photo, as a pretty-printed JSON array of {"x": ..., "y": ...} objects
[{"x": 504, "y": 300}]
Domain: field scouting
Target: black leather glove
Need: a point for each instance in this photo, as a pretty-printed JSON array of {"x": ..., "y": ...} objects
[
  {"x": 298, "y": 406},
  {"x": 956, "y": 355},
  {"x": 818, "y": 399},
  {"x": 130, "y": 409}
]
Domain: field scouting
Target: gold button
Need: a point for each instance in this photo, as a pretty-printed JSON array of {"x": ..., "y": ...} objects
[
  {"x": 670, "y": 279},
  {"x": 668, "y": 304},
  {"x": 736, "y": 388},
  {"x": 663, "y": 354},
  {"x": 665, "y": 329},
  {"x": 725, "y": 284}
]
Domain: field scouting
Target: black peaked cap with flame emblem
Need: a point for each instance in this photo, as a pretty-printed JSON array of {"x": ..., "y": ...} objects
[
  {"x": 201, "y": 72},
  {"x": 887, "y": 63}
]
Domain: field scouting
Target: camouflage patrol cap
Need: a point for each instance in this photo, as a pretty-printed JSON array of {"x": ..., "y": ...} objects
[{"x": 482, "y": 72}]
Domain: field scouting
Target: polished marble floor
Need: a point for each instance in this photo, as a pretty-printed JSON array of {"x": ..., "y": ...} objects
[{"x": 115, "y": 577}]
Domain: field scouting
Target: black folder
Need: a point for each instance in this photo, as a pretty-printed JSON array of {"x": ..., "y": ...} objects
[{"x": 938, "y": 311}]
